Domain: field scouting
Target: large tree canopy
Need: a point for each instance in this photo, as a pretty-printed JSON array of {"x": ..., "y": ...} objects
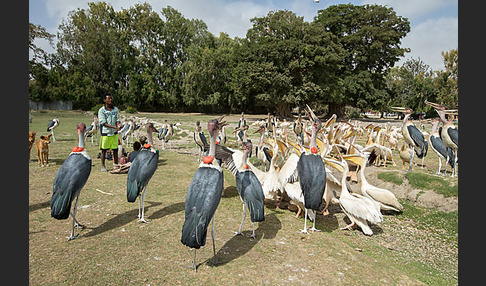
[{"x": 370, "y": 36}]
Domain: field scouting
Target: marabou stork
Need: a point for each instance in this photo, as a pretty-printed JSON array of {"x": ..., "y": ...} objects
[
  {"x": 241, "y": 121},
  {"x": 312, "y": 172},
  {"x": 168, "y": 135},
  {"x": 69, "y": 181},
  {"x": 203, "y": 196},
  {"x": 359, "y": 209},
  {"x": 250, "y": 191},
  {"x": 269, "y": 125},
  {"x": 438, "y": 146},
  {"x": 200, "y": 140},
  {"x": 449, "y": 133},
  {"x": 141, "y": 171},
  {"x": 93, "y": 129},
  {"x": 51, "y": 125},
  {"x": 127, "y": 131},
  {"x": 262, "y": 152},
  {"x": 412, "y": 136},
  {"x": 163, "y": 130},
  {"x": 222, "y": 136}
]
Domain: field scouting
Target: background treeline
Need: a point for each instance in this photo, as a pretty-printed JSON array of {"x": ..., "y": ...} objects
[{"x": 161, "y": 61}]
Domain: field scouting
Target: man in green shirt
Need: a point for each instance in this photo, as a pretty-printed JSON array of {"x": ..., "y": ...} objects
[{"x": 109, "y": 119}]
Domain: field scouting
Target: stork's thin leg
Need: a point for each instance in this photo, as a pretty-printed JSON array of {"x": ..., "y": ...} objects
[
  {"x": 73, "y": 214},
  {"x": 253, "y": 234},
  {"x": 313, "y": 229},
  {"x": 455, "y": 164},
  {"x": 440, "y": 166},
  {"x": 76, "y": 223},
  {"x": 212, "y": 235},
  {"x": 446, "y": 163},
  {"x": 139, "y": 206},
  {"x": 423, "y": 161},
  {"x": 142, "y": 219},
  {"x": 305, "y": 223},
  {"x": 411, "y": 159},
  {"x": 214, "y": 260},
  {"x": 193, "y": 263},
  {"x": 242, "y": 219}
]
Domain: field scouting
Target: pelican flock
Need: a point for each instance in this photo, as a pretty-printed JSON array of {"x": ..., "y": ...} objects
[{"x": 311, "y": 169}]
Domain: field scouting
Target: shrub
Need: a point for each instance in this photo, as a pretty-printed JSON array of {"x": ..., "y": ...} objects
[
  {"x": 96, "y": 108},
  {"x": 131, "y": 110}
]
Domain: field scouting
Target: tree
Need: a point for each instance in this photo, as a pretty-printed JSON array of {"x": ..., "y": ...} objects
[
  {"x": 370, "y": 36},
  {"x": 279, "y": 62},
  {"x": 447, "y": 81},
  {"x": 412, "y": 84},
  {"x": 39, "y": 64},
  {"x": 38, "y": 32},
  {"x": 91, "y": 45}
]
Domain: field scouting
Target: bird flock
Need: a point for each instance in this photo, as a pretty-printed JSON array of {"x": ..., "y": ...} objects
[{"x": 308, "y": 163}]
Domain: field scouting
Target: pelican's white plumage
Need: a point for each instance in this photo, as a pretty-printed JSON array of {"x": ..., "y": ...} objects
[{"x": 359, "y": 209}]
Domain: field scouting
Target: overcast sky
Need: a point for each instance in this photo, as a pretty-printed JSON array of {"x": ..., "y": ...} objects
[{"x": 434, "y": 23}]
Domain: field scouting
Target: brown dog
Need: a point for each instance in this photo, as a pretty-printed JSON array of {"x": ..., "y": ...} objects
[
  {"x": 31, "y": 141},
  {"x": 43, "y": 150}
]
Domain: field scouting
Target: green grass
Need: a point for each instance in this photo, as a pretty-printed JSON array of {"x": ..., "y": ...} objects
[
  {"x": 393, "y": 177},
  {"x": 430, "y": 182},
  {"x": 439, "y": 184},
  {"x": 430, "y": 218}
]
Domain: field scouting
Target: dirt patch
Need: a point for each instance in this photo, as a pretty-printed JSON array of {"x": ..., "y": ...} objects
[{"x": 426, "y": 198}]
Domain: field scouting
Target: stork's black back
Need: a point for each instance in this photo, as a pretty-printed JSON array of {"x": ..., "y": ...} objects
[
  {"x": 454, "y": 134},
  {"x": 421, "y": 145},
  {"x": 202, "y": 199},
  {"x": 50, "y": 125},
  {"x": 140, "y": 173},
  {"x": 69, "y": 181},
  {"x": 312, "y": 179},
  {"x": 251, "y": 192}
]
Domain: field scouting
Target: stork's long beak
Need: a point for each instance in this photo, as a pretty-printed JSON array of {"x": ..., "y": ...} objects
[
  {"x": 221, "y": 123},
  {"x": 433, "y": 104},
  {"x": 398, "y": 109},
  {"x": 451, "y": 112},
  {"x": 259, "y": 129},
  {"x": 312, "y": 116}
]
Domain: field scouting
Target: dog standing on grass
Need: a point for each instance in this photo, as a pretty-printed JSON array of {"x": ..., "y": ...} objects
[
  {"x": 42, "y": 146},
  {"x": 31, "y": 141}
]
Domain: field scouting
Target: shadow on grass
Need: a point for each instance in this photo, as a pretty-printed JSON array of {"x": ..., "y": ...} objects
[
  {"x": 120, "y": 219},
  {"x": 162, "y": 162},
  {"x": 326, "y": 223},
  {"x": 375, "y": 228},
  {"x": 230, "y": 192},
  {"x": 239, "y": 245},
  {"x": 168, "y": 210},
  {"x": 38, "y": 206},
  {"x": 64, "y": 140}
]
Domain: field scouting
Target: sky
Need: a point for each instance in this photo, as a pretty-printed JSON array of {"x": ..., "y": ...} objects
[{"x": 433, "y": 23}]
